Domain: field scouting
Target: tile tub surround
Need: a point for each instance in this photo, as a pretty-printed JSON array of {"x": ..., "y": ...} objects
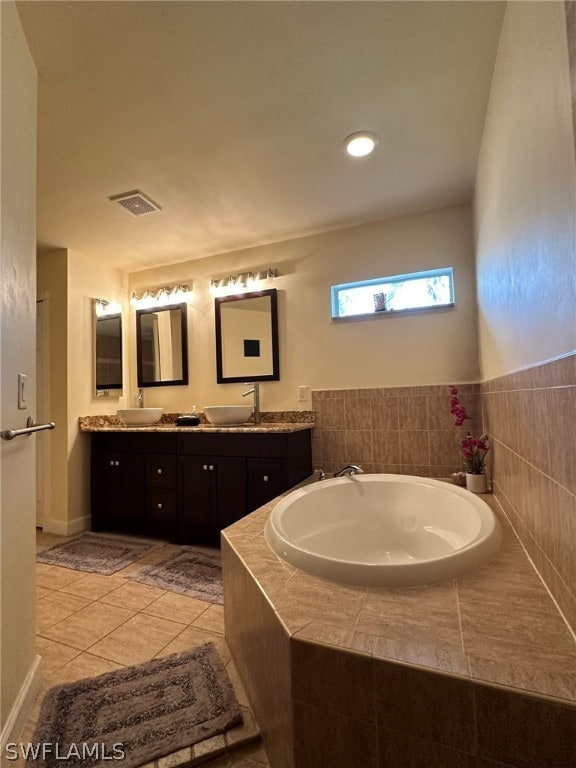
[
  {"x": 531, "y": 419},
  {"x": 474, "y": 673},
  {"x": 401, "y": 430}
]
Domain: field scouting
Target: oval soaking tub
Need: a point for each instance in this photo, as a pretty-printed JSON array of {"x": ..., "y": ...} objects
[{"x": 383, "y": 530}]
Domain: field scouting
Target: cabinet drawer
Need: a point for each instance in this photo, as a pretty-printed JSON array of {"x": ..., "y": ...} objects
[
  {"x": 161, "y": 471},
  {"x": 266, "y": 477},
  {"x": 161, "y": 511}
]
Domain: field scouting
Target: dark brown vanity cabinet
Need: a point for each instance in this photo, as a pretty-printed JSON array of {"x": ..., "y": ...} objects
[{"x": 188, "y": 486}]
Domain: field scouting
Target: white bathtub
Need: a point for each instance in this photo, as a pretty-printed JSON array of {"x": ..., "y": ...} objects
[{"x": 383, "y": 530}]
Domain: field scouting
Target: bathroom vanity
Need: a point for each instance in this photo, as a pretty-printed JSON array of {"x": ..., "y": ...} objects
[{"x": 189, "y": 483}]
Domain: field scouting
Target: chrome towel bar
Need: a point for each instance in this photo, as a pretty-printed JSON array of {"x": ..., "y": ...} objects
[{"x": 10, "y": 434}]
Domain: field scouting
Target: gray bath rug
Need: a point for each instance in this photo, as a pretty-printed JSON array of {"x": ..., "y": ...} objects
[
  {"x": 96, "y": 553},
  {"x": 136, "y": 714},
  {"x": 189, "y": 571}
]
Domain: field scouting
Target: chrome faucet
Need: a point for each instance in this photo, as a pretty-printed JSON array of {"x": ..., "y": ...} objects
[
  {"x": 349, "y": 469},
  {"x": 140, "y": 398},
  {"x": 255, "y": 390}
]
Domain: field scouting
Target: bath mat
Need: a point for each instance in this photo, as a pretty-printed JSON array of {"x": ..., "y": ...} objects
[
  {"x": 136, "y": 714},
  {"x": 189, "y": 571},
  {"x": 96, "y": 553}
]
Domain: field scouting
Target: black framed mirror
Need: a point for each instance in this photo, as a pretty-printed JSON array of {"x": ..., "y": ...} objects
[
  {"x": 247, "y": 337},
  {"x": 162, "y": 346},
  {"x": 108, "y": 349}
]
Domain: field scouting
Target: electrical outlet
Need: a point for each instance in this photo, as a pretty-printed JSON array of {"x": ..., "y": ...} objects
[{"x": 302, "y": 393}]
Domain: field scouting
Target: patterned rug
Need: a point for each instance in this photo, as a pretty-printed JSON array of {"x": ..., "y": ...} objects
[
  {"x": 189, "y": 571},
  {"x": 136, "y": 714},
  {"x": 96, "y": 553}
]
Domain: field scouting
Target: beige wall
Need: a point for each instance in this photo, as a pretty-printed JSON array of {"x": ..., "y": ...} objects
[
  {"x": 423, "y": 348},
  {"x": 71, "y": 282},
  {"x": 526, "y": 197},
  {"x": 17, "y": 354}
]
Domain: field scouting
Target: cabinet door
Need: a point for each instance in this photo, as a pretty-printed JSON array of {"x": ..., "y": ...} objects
[
  {"x": 118, "y": 491},
  {"x": 267, "y": 478},
  {"x": 229, "y": 481},
  {"x": 195, "y": 476},
  {"x": 106, "y": 489}
]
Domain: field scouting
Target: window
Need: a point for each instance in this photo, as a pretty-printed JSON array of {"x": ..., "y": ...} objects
[{"x": 418, "y": 290}]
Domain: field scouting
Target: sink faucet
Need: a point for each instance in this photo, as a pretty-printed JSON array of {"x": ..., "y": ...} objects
[
  {"x": 349, "y": 469},
  {"x": 255, "y": 390},
  {"x": 140, "y": 398}
]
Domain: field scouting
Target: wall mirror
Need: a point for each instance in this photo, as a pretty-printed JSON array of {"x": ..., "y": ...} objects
[
  {"x": 108, "y": 352},
  {"x": 162, "y": 346},
  {"x": 247, "y": 337}
]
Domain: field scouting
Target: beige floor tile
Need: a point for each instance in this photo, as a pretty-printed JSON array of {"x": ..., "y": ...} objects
[
  {"x": 93, "y": 585},
  {"x": 42, "y": 592},
  {"x": 176, "y": 607},
  {"x": 212, "y": 619},
  {"x": 87, "y": 626},
  {"x": 83, "y": 665},
  {"x": 132, "y": 595},
  {"x": 56, "y": 607},
  {"x": 54, "y": 655},
  {"x": 192, "y": 637},
  {"x": 138, "y": 639},
  {"x": 55, "y": 577}
]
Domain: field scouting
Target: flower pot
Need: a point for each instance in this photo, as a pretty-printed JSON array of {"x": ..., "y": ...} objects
[{"x": 476, "y": 483}]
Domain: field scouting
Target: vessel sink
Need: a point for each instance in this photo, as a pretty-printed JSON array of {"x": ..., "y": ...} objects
[
  {"x": 139, "y": 417},
  {"x": 227, "y": 415}
]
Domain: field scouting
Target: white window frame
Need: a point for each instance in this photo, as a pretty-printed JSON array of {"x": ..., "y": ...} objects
[{"x": 382, "y": 283}]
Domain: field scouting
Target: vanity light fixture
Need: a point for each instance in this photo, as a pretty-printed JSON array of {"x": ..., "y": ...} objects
[
  {"x": 360, "y": 144},
  {"x": 221, "y": 286},
  {"x": 164, "y": 294},
  {"x": 104, "y": 307}
]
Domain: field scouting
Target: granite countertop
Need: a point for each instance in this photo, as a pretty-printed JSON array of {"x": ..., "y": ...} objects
[
  {"x": 279, "y": 422},
  {"x": 496, "y": 625}
]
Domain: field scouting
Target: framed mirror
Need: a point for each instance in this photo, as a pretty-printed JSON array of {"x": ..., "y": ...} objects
[
  {"x": 162, "y": 346},
  {"x": 108, "y": 352},
  {"x": 247, "y": 337}
]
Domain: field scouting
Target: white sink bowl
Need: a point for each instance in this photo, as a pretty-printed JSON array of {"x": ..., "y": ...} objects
[
  {"x": 139, "y": 417},
  {"x": 227, "y": 415}
]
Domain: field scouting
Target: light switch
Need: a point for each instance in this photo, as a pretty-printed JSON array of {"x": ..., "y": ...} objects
[{"x": 22, "y": 391}]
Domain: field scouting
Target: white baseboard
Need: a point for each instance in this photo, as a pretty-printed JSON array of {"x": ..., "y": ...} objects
[
  {"x": 21, "y": 709},
  {"x": 68, "y": 528}
]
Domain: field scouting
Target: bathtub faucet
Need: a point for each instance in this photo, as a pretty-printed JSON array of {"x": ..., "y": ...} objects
[{"x": 349, "y": 469}]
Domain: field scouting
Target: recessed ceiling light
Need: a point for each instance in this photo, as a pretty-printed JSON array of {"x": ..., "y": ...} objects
[{"x": 360, "y": 144}]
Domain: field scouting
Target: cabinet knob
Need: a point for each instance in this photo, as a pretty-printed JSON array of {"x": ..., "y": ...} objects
[
  {"x": 117, "y": 463},
  {"x": 265, "y": 478},
  {"x": 211, "y": 467},
  {"x": 111, "y": 463},
  {"x": 205, "y": 466},
  {"x": 159, "y": 505},
  {"x": 159, "y": 471}
]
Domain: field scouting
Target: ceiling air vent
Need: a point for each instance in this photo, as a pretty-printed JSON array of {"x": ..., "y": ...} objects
[{"x": 135, "y": 202}]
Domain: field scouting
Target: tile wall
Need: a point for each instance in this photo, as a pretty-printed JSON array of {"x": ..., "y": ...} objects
[
  {"x": 404, "y": 430},
  {"x": 531, "y": 418}
]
